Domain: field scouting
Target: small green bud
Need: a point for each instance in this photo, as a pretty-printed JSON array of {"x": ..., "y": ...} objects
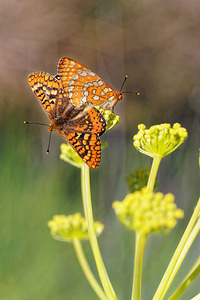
[
  {"x": 145, "y": 211},
  {"x": 137, "y": 180},
  {"x": 111, "y": 118},
  {"x": 69, "y": 155},
  {"x": 65, "y": 228},
  {"x": 159, "y": 140}
]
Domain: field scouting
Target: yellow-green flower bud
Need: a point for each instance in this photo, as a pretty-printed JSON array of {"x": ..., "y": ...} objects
[
  {"x": 111, "y": 118},
  {"x": 69, "y": 155},
  {"x": 145, "y": 211},
  {"x": 65, "y": 228},
  {"x": 159, "y": 140}
]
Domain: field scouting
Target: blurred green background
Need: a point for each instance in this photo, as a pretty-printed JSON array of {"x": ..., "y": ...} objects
[{"x": 157, "y": 44}]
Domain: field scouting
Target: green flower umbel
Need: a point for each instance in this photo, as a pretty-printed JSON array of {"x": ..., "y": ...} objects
[
  {"x": 159, "y": 140},
  {"x": 145, "y": 211},
  {"x": 66, "y": 228}
]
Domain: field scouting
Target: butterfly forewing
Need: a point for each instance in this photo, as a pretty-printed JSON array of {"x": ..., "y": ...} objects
[
  {"x": 49, "y": 93},
  {"x": 83, "y": 87}
]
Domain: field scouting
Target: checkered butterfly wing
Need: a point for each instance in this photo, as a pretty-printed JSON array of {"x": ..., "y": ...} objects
[
  {"x": 49, "y": 92},
  {"x": 83, "y": 132},
  {"x": 83, "y": 87},
  {"x": 81, "y": 128}
]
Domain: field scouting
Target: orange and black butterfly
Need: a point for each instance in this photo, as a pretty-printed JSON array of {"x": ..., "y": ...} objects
[
  {"x": 83, "y": 87},
  {"x": 79, "y": 126}
]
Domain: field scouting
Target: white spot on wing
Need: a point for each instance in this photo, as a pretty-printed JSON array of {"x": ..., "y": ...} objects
[
  {"x": 95, "y": 83},
  {"x": 100, "y": 82},
  {"x": 84, "y": 99},
  {"x": 106, "y": 90},
  {"x": 91, "y": 73},
  {"x": 71, "y": 82},
  {"x": 70, "y": 88},
  {"x": 96, "y": 98},
  {"x": 83, "y": 73},
  {"x": 70, "y": 95},
  {"x": 75, "y": 76}
]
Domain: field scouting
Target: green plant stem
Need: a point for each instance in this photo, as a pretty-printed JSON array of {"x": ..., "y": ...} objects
[
  {"x": 169, "y": 273},
  {"x": 153, "y": 172},
  {"x": 86, "y": 269},
  {"x": 140, "y": 243},
  {"x": 187, "y": 281},
  {"x": 87, "y": 204},
  {"x": 141, "y": 238},
  {"x": 197, "y": 297},
  {"x": 183, "y": 253}
]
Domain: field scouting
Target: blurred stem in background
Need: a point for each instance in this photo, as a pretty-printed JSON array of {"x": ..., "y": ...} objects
[
  {"x": 185, "y": 243},
  {"x": 194, "y": 272},
  {"x": 86, "y": 269}
]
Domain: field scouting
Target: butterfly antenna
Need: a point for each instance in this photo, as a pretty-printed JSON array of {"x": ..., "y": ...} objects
[
  {"x": 135, "y": 93},
  {"x": 49, "y": 142},
  {"x": 35, "y": 123},
  {"x": 126, "y": 76}
]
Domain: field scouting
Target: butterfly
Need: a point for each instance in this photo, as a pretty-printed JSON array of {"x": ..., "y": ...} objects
[
  {"x": 85, "y": 88},
  {"x": 80, "y": 127}
]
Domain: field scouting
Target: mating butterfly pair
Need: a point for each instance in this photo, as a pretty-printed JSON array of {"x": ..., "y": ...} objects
[{"x": 68, "y": 99}]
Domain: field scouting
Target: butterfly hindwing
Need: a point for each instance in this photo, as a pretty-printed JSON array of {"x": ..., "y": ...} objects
[
  {"x": 89, "y": 120},
  {"x": 83, "y": 135},
  {"x": 87, "y": 146},
  {"x": 84, "y": 87}
]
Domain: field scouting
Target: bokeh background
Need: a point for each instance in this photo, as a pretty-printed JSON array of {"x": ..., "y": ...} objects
[{"x": 157, "y": 44}]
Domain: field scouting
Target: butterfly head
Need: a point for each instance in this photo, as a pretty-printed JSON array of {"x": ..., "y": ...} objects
[{"x": 120, "y": 95}]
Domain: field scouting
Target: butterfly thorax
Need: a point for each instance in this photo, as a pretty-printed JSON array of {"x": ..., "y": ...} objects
[{"x": 57, "y": 123}]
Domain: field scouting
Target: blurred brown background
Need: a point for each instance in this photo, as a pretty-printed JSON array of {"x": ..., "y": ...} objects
[{"x": 157, "y": 44}]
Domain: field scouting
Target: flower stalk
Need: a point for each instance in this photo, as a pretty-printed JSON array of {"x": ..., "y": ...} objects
[
  {"x": 86, "y": 269},
  {"x": 87, "y": 204},
  {"x": 138, "y": 260},
  {"x": 180, "y": 253},
  {"x": 153, "y": 173},
  {"x": 187, "y": 281}
]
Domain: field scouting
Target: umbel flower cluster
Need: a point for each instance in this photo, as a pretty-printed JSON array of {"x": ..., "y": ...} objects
[
  {"x": 159, "y": 140},
  {"x": 145, "y": 211},
  {"x": 66, "y": 228}
]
